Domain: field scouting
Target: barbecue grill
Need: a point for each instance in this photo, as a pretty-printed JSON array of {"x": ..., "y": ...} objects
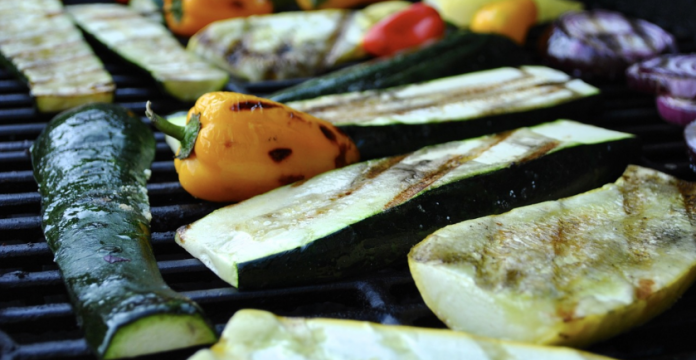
[{"x": 36, "y": 319}]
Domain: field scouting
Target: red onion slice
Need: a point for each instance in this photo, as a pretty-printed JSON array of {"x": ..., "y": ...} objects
[
  {"x": 604, "y": 42},
  {"x": 676, "y": 110},
  {"x": 674, "y": 74}
]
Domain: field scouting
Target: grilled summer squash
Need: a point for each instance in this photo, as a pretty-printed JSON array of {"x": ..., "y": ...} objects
[
  {"x": 255, "y": 334},
  {"x": 40, "y": 43},
  {"x": 368, "y": 215},
  {"x": 91, "y": 164},
  {"x": 150, "y": 46},
  {"x": 402, "y": 119},
  {"x": 567, "y": 272}
]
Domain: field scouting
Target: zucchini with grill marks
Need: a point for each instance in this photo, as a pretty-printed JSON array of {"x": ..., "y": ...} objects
[
  {"x": 402, "y": 119},
  {"x": 91, "y": 164},
  {"x": 458, "y": 53},
  {"x": 41, "y": 45},
  {"x": 368, "y": 215},
  {"x": 150, "y": 46},
  {"x": 567, "y": 272}
]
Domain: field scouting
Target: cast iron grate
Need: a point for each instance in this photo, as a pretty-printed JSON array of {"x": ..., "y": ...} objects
[{"x": 36, "y": 319}]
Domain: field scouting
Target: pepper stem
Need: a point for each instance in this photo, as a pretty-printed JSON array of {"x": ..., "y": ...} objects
[
  {"x": 186, "y": 135},
  {"x": 173, "y": 130}
]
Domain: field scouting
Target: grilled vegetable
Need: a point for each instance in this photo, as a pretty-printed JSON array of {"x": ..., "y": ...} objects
[
  {"x": 332, "y": 4},
  {"x": 45, "y": 49},
  {"x": 151, "y": 9},
  {"x": 673, "y": 74},
  {"x": 567, "y": 272},
  {"x": 91, "y": 164},
  {"x": 461, "y": 12},
  {"x": 511, "y": 18},
  {"x": 187, "y": 17},
  {"x": 150, "y": 46},
  {"x": 255, "y": 334},
  {"x": 248, "y": 145},
  {"x": 459, "y": 52},
  {"x": 285, "y": 45},
  {"x": 603, "y": 43},
  {"x": 368, "y": 215},
  {"x": 398, "y": 120},
  {"x": 676, "y": 110},
  {"x": 414, "y": 26}
]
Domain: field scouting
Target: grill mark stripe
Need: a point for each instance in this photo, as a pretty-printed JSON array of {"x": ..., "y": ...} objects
[
  {"x": 449, "y": 165},
  {"x": 539, "y": 152},
  {"x": 546, "y": 88},
  {"x": 439, "y": 97}
]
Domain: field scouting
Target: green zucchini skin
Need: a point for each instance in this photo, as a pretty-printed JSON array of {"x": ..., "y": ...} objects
[
  {"x": 460, "y": 52},
  {"x": 91, "y": 166},
  {"x": 380, "y": 141},
  {"x": 385, "y": 239}
]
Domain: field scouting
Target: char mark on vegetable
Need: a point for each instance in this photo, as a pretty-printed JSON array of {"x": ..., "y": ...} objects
[
  {"x": 340, "y": 160},
  {"x": 452, "y": 163},
  {"x": 539, "y": 152},
  {"x": 289, "y": 179},
  {"x": 279, "y": 154},
  {"x": 252, "y": 105},
  {"x": 328, "y": 133}
]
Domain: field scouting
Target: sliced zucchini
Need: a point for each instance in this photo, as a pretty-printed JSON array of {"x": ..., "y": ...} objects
[
  {"x": 150, "y": 46},
  {"x": 256, "y": 334},
  {"x": 286, "y": 45},
  {"x": 458, "y": 53},
  {"x": 566, "y": 272},
  {"x": 47, "y": 51},
  {"x": 91, "y": 164},
  {"x": 368, "y": 215},
  {"x": 402, "y": 119}
]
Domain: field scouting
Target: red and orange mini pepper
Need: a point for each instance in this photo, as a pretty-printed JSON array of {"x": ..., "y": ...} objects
[
  {"x": 416, "y": 25},
  {"x": 186, "y": 17},
  {"x": 236, "y": 146}
]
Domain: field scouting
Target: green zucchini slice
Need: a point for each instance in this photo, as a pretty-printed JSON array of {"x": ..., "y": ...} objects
[
  {"x": 41, "y": 44},
  {"x": 260, "y": 335},
  {"x": 458, "y": 53},
  {"x": 566, "y": 272},
  {"x": 403, "y": 119},
  {"x": 368, "y": 215},
  {"x": 150, "y": 46},
  {"x": 91, "y": 164}
]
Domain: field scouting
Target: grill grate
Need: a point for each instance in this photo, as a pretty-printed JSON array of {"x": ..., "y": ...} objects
[{"x": 36, "y": 319}]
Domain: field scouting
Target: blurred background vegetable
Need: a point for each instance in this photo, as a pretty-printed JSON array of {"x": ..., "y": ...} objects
[
  {"x": 673, "y": 78},
  {"x": 332, "y": 4},
  {"x": 413, "y": 26},
  {"x": 511, "y": 18},
  {"x": 461, "y": 12},
  {"x": 603, "y": 43},
  {"x": 186, "y": 17}
]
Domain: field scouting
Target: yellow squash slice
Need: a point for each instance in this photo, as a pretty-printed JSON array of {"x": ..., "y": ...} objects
[
  {"x": 259, "y": 335},
  {"x": 567, "y": 272}
]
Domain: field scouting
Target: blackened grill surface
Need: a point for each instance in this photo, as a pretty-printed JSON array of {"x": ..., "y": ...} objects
[{"x": 36, "y": 319}]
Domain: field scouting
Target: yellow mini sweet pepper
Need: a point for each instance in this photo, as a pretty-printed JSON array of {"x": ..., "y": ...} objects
[{"x": 236, "y": 146}]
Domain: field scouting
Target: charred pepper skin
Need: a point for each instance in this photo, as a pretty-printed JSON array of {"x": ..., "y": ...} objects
[
  {"x": 248, "y": 145},
  {"x": 91, "y": 166}
]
